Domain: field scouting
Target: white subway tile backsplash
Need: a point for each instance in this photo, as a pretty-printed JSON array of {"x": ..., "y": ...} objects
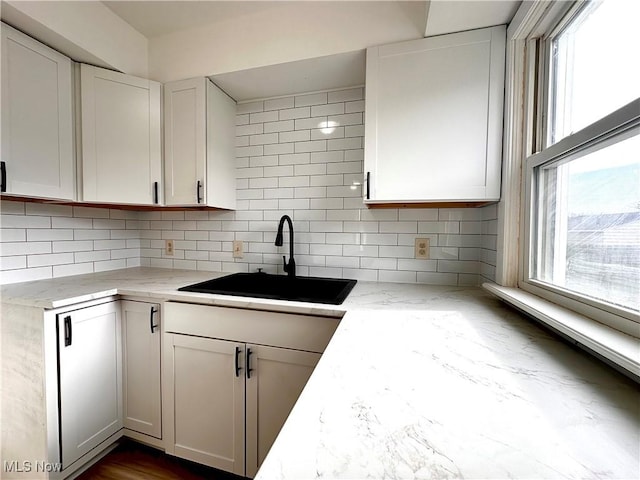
[
  {"x": 264, "y": 117},
  {"x": 20, "y": 221},
  {"x": 39, "y": 235},
  {"x": 311, "y": 99},
  {"x": 279, "y": 103},
  {"x": 346, "y": 95},
  {"x": 264, "y": 139},
  {"x": 330, "y": 109},
  {"x": 12, "y": 235},
  {"x": 279, "y": 126},
  {"x": 24, "y": 248},
  {"x": 73, "y": 246},
  {"x": 13, "y": 208},
  {"x": 249, "y": 107},
  {"x": 295, "y": 159},
  {"x": 49, "y": 259},
  {"x": 294, "y": 113},
  {"x": 13, "y": 263},
  {"x": 251, "y": 129}
]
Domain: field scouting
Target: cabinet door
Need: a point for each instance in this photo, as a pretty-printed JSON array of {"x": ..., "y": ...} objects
[
  {"x": 433, "y": 127},
  {"x": 185, "y": 137},
  {"x": 141, "y": 348},
  {"x": 274, "y": 384},
  {"x": 121, "y": 149},
  {"x": 90, "y": 378},
  {"x": 37, "y": 122},
  {"x": 204, "y": 400}
]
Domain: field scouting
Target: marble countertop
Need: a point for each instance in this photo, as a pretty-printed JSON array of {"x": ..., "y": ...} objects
[{"x": 422, "y": 382}]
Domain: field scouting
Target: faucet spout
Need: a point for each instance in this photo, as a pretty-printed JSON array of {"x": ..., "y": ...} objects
[{"x": 289, "y": 267}]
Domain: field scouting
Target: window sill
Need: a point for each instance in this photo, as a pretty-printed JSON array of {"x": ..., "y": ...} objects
[{"x": 617, "y": 348}]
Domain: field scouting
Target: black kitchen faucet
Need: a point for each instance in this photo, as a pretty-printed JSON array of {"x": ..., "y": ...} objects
[{"x": 290, "y": 267}]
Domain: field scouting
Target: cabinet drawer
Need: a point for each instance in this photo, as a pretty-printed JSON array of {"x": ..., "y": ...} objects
[{"x": 300, "y": 332}]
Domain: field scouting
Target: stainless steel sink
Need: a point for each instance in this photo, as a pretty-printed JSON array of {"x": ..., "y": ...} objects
[{"x": 279, "y": 287}]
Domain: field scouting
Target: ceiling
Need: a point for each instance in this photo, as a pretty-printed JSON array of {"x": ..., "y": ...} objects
[{"x": 166, "y": 19}]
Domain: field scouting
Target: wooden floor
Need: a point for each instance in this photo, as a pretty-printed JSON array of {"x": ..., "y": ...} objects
[{"x": 133, "y": 461}]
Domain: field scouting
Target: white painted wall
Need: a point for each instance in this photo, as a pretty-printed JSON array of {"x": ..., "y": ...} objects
[
  {"x": 267, "y": 33},
  {"x": 86, "y": 31}
]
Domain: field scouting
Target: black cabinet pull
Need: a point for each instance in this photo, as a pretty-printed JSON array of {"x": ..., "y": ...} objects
[
  {"x": 368, "y": 182},
  {"x": 3, "y": 177},
  {"x": 249, "y": 369},
  {"x": 198, "y": 188},
  {"x": 155, "y": 193},
  {"x": 153, "y": 310},
  {"x": 67, "y": 331},
  {"x": 238, "y": 368}
]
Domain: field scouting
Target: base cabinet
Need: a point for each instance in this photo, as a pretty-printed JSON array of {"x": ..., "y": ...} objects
[
  {"x": 207, "y": 404},
  {"x": 141, "y": 331},
  {"x": 273, "y": 386},
  {"x": 226, "y": 391},
  {"x": 90, "y": 389}
]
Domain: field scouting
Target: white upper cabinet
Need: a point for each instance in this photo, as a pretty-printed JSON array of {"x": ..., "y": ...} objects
[
  {"x": 433, "y": 125},
  {"x": 199, "y": 136},
  {"x": 121, "y": 138},
  {"x": 37, "y": 121}
]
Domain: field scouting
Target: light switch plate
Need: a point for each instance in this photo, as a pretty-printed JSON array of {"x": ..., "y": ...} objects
[
  {"x": 422, "y": 248},
  {"x": 238, "y": 249}
]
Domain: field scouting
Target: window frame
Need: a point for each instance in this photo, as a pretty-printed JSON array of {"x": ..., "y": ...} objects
[{"x": 526, "y": 133}]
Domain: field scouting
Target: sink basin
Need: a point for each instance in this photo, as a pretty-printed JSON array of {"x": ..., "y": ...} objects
[{"x": 278, "y": 287}]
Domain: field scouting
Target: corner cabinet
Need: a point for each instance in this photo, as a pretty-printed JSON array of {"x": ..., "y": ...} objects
[
  {"x": 231, "y": 378},
  {"x": 199, "y": 145},
  {"x": 433, "y": 124},
  {"x": 37, "y": 123},
  {"x": 121, "y": 138}
]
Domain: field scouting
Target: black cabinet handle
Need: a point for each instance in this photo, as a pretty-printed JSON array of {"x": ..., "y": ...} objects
[
  {"x": 368, "y": 182},
  {"x": 249, "y": 369},
  {"x": 3, "y": 177},
  {"x": 238, "y": 368},
  {"x": 155, "y": 193},
  {"x": 67, "y": 331},
  {"x": 153, "y": 310},
  {"x": 198, "y": 188}
]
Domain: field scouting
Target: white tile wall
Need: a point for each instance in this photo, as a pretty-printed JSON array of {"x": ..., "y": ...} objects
[
  {"x": 286, "y": 165},
  {"x": 40, "y": 241}
]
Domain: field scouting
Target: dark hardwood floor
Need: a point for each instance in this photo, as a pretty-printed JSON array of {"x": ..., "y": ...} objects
[{"x": 134, "y": 461}]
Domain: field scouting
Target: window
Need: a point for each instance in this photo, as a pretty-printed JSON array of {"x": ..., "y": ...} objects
[{"x": 582, "y": 175}]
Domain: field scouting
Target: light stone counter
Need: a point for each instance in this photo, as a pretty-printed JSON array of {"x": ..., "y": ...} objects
[{"x": 422, "y": 382}]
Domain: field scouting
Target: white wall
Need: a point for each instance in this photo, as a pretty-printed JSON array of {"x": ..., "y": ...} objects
[
  {"x": 266, "y": 33},
  {"x": 86, "y": 31}
]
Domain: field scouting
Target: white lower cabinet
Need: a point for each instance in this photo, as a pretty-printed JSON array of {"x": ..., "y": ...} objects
[
  {"x": 141, "y": 332},
  {"x": 90, "y": 372},
  {"x": 273, "y": 386},
  {"x": 231, "y": 378},
  {"x": 207, "y": 404}
]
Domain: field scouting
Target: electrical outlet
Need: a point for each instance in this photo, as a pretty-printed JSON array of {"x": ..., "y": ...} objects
[
  {"x": 237, "y": 249},
  {"x": 168, "y": 247},
  {"x": 422, "y": 248}
]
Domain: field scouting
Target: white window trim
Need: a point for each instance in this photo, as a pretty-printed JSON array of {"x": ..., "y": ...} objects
[{"x": 620, "y": 345}]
